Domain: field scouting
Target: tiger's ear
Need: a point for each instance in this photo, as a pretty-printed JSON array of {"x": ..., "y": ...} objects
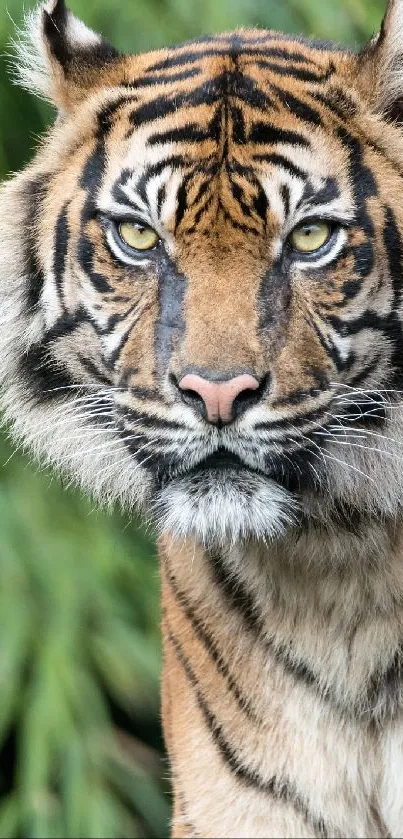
[
  {"x": 60, "y": 58},
  {"x": 381, "y": 65}
]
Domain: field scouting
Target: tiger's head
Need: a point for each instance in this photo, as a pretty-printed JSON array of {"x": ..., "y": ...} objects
[{"x": 201, "y": 275}]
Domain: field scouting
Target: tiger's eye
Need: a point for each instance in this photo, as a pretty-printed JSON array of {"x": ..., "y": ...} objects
[
  {"x": 308, "y": 238},
  {"x": 138, "y": 236}
]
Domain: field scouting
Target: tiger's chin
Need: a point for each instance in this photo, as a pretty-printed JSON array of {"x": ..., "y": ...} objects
[{"x": 221, "y": 507}]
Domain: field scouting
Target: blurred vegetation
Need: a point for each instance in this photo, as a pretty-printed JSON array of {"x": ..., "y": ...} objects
[{"x": 79, "y": 640}]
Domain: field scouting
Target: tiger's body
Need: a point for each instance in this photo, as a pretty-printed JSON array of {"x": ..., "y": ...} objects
[{"x": 202, "y": 315}]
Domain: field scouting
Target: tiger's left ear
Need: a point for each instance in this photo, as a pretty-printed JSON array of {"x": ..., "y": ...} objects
[
  {"x": 381, "y": 65},
  {"x": 59, "y": 57}
]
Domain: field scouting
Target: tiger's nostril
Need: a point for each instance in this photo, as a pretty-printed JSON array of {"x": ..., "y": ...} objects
[{"x": 220, "y": 402}]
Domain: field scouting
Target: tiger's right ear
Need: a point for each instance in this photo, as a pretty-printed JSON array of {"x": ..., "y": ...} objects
[
  {"x": 59, "y": 58},
  {"x": 380, "y": 65}
]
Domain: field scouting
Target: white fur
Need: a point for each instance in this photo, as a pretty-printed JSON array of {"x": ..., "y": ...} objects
[
  {"x": 390, "y": 73},
  {"x": 33, "y": 69},
  {"x": 229, "y": 508}
]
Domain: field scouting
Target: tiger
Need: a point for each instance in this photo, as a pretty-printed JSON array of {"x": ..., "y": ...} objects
[{"x": 201, "y": 287}]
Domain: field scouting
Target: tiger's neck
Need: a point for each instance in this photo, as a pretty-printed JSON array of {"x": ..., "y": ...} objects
[
  {"x": 316, "y": 620},
  {"x": 325, "y": 604}
]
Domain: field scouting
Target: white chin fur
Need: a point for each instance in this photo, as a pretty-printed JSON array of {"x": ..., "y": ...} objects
[{"x": 225, "y": 508}]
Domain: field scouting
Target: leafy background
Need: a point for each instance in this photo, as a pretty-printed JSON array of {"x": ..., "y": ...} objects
[{"x": 81, "y": 748}]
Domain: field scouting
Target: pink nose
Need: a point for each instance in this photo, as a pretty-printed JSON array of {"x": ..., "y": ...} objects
[{"x": 218, "y": 397}]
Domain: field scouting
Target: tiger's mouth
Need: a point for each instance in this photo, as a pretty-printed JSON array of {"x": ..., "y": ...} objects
[
  {"x": 221, "y": 462},
  {"x": 225, "y": 465}
]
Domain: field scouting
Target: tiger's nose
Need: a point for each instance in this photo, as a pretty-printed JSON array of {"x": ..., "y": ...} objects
[{"x": 220, "y": 402}]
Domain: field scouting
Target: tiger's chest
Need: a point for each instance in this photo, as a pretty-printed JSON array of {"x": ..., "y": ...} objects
[{"x": 279, "y": 723}]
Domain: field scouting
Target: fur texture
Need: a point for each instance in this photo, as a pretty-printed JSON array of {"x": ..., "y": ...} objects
[{"x": 280, "y": 532}]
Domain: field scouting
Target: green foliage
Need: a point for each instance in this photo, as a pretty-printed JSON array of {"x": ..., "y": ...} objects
[
  {"x": 79, "y": 642},
  {"x": 78, "y": 635}
]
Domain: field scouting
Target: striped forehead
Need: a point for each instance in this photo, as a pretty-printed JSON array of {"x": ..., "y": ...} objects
[
  {"x": 202, "y": 109},
  {"x": 153, "y": 188}
]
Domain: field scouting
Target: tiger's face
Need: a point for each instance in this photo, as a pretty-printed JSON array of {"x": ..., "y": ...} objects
[{"x": 205, "y": 297}]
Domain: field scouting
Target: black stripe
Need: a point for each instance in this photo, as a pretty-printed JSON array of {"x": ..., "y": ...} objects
[
  {"x": 237, "y": 225},
  {"x": 235, "y": 84},
  {"x": 186, "y": 57},
  {"x": 297, "y": 107},
  {"x": 181, "y": 200},
  {"x": 327, "y": 344},
  {"x": 295, "y": 72},
  {"x": 240, "y": 86},
  {"x": 106, "y": 115},
  {"x": 300, "y": 419},
  {"x": 86, "y": 253},
  {"x": 60, "y": 251},
  {"x": 381, "y": 697},
  {"x": 279, "y": 789},
  {"x": 90, "y": 182},
  {"x": 284, "y": 162},
  {"x": 225, "y": 49},
  {"x": 263, "y": 133},
  {"x": 149, "y": 80},
  {"x": 286, "y": 198},
  {"x": 96, "y": 375},
  {"x": 368, "y": 320},
  {"x": 210, "y": 646},
  {"x": 161, "y": 196},
  {"x": 277, "y": 52},
  {"x": 200, "y": 213},
  {"x": 189, "y": 133},
  {"x": 96, "y": 56},
  {"x": 148, "y": 420},
  {"x": 394, "y": 249},
  {"x": 163, "y": 106},
  {"x": 176, "y": 161},
  {"x": 238, "y": 193},
  {"x": 44, "y": 376},
  {"x": 34, "y": 194},
  {"x": 337, "y": 102},
  {"x": 329, "y": 192},
  {"x": 115, "y": 354},
  {"x": 261, "y": 203}
]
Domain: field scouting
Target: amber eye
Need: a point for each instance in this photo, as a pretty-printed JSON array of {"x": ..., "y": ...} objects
[
  {"x": 138, "y": 236},
  {"x": 310, "y": 237}
]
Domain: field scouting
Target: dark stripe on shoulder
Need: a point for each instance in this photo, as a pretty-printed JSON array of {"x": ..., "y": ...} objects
[
  {"x": 380, "y": 699},
  {"x": 279, "y": 789},
  {"x": 209, "y": 644}
]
